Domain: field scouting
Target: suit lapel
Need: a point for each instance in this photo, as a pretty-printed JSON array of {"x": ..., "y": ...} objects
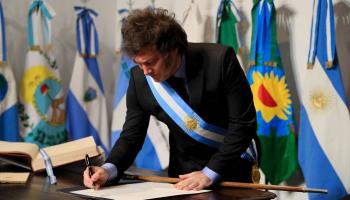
[{"x": 195, "y": 76}]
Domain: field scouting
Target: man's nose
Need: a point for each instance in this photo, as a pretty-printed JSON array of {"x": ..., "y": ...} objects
[{"x": 146, "y": 70}]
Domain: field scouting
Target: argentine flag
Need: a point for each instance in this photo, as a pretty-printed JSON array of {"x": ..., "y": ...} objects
[
  {"x": 324, "y": 118},
  {"x": 8, "y": 97},
  {"x": 155, "y": 151},
  {"x": 86, "y": 102},
  {"x": 42, "y": 114}
]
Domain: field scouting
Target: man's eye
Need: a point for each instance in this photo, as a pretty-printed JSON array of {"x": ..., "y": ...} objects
[{"x": 149, "y": 64}]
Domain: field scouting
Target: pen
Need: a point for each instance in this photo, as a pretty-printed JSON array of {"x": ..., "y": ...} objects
[{"x": 88, "y": 165}]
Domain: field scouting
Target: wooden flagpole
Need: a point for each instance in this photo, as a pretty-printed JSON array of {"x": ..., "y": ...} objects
[{"x": 161, "y": 179}]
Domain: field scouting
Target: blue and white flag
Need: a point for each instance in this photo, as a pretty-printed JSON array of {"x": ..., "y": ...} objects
[
  {"x": 155, "y": 151},
  {"x": 8, "y": 96},
  {"x": 193, "y": 23},
  {"x": 324, "y": 118},
  {"x": 42, "y": 114},
  {"x": 86, "y": 102}
]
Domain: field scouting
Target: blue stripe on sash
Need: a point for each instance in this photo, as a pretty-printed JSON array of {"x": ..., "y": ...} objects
[{"x": 179, "y": 121}]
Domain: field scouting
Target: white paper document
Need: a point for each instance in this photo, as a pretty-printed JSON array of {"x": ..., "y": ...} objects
[{"x": 136, "y": 191}]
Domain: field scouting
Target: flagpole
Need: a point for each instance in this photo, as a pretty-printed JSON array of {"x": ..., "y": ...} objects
[{"x": 161, "y": 179}]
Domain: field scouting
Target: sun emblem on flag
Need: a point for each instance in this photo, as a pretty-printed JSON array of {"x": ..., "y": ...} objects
[
  {"x": 271, "y": 96},
  {"x": 320, "y": 100}
]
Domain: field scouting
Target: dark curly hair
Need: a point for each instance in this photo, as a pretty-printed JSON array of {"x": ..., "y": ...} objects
[{"x": 144, "y": 27}]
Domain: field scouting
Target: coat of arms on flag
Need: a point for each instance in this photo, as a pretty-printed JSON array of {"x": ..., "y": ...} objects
[
  {"x": 86, "y": 102},
  {"x": 42, "y": 114},
  {"x": 272, "y": 97}
]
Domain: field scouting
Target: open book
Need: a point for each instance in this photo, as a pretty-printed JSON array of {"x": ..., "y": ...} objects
[
  {"x": 6, "y": 177},
  {"x": 27, "y": 155}
]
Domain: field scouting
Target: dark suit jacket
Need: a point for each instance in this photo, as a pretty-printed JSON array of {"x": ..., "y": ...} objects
[{"x": 218, "y": 92}]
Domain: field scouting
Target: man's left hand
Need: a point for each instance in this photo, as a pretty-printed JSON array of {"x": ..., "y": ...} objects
[{"x": 193, "y": 181}]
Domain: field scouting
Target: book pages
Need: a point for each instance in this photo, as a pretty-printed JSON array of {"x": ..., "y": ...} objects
[
  {"x": 19, "y": 148},
  {"x": 6, "y": 177},
  {"x": 67, "y": 153}
]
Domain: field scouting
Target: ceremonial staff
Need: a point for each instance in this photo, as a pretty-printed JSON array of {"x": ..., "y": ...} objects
[{"x": 161, "y": 179}]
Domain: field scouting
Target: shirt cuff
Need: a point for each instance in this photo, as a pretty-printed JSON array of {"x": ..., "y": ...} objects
[
  {"x": 111, "y": 170},
  {"x": 213, "y": 176}
]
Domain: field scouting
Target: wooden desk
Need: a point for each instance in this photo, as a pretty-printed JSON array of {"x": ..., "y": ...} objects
[{"x": 38, "y": 187}]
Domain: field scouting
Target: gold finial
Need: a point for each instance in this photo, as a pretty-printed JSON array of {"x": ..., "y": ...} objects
[
  {"x": 310, "y": 66},
  {"x": 329, "y": 64},
  {"x": 252, "y": 63},
  {"x": 270, "y": 63},
  {"x": 255, "y": 173},
  {"x": 3, "y": 63},
  {"x": 35, "y": 48},
  {"x": 84, "y": 55},
  {"x": 240, "y": 51}
]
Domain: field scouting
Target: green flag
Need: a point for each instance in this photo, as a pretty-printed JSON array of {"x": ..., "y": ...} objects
[
  {"x": 227, "y": 22},
  {"x": 272, "y": 97}
]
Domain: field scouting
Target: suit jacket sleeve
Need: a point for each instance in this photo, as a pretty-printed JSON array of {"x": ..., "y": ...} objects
[
  {"x": 134, "y": 131},
  {"x": 241, "y": 114}
]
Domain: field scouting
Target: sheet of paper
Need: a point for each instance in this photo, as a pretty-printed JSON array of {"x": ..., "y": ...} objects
[
  {"x": 6, "y": 177},
  {"x": 136, "y": 191}
]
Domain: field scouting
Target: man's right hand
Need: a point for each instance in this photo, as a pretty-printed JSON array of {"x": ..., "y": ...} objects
[{"x": 98, "y": 179}]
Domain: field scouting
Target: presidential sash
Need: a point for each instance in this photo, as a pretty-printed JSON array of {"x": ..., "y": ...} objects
[{"x": 190, "y": 122}]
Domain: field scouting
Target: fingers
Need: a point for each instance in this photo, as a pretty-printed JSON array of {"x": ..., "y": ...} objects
[
  {"x": 193, "y": 181},
  {"x": 187, "y": 185},
  {"x": 87, "y": 180},
  {"x": 184, "y": 176},
  {"x": 98, "y": 178}
]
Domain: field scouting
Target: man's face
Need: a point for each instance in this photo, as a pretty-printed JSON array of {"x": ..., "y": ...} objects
[{"x": 157, "y": 65}]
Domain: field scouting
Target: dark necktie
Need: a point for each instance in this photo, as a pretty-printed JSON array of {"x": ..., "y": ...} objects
[{"x": 178, "y": 84}]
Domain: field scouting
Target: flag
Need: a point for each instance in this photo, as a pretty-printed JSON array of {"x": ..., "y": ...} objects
[
  {"x": 9, "y": 130},
  {"x": 42, "y": 114},
  {"x": 227, "y": 20},
  {"x": 193, "y": 23},
  {"x": 272, "y": 97},
  {"x": 324, "y": 118},
  {"x": 155, "y": 151},
  {"x": 86, "y": 102},
  {"x": 227, "y": 33}
]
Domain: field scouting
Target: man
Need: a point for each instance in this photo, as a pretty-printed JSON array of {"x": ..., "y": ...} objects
[{"x": 211, "y": 117}]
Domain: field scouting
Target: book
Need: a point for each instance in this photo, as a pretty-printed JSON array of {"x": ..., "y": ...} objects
[
  {"x": 27, "y": 155},
  {"x": 17, "y": 177}
]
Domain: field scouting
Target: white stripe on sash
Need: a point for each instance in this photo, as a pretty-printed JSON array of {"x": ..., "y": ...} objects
[
  {"x": 180, "y": 111},
  {"x": 184, "y": 111}
]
